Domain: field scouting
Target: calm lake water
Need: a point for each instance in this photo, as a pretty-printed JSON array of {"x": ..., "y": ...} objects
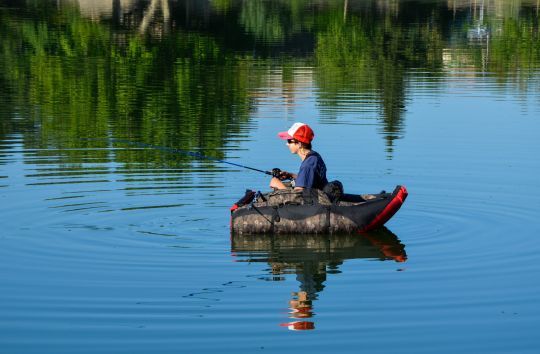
[{"x": 112, "y": 247}]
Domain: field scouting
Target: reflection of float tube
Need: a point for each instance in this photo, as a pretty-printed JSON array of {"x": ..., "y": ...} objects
[
  {"x": 393, "y": 250},
  {"x": 299, "y": 325},
  {"x": 292, "y": 249}
]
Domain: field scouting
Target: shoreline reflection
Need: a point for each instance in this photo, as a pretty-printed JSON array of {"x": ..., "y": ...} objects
[{"x": 311, "y": 258}]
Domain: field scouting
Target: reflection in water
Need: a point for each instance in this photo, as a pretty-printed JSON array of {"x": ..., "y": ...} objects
[
  {"x": 151, "y": 14},
  {"x": 311, "y": 258},
  {"x": 86, "y": 71}
]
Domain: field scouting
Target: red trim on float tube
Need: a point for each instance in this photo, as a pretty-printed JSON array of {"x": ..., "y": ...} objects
[{"x": 388, "y": 211}]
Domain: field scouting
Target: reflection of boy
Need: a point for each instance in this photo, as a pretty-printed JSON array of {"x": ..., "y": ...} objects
[
  {"x": 300, "y": 305},
  {"x": 301, "y": 308},
  {"x": 299, "y": 325}
]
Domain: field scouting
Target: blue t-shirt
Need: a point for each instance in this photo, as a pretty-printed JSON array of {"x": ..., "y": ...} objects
[{"x": 312, "y": 172}]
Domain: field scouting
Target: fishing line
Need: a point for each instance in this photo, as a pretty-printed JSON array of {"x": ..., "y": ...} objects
[{"x": 197, "y": 155}]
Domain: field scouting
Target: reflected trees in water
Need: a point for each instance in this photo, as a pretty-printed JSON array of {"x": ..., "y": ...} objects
[
  {"x": 370, "y": 55},
  {"x": 183, "y": 73},
  {"x": 83, "y": 81}
]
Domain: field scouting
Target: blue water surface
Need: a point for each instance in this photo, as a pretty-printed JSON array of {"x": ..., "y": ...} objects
[{"x": 103, "y": 253}]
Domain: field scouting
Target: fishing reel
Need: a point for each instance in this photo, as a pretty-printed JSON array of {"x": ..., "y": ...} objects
[
  {"x": 281, "y": 175},
  {"x": 276, "y": 172}
]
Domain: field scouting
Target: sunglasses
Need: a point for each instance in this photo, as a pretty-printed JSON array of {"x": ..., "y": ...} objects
[{"x": 291, "y": 141}]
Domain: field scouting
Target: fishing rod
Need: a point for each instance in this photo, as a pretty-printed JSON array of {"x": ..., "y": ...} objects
[{"x": 189, "y": 153}]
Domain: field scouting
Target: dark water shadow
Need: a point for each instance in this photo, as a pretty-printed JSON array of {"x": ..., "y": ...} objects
[{"x": 311, "y": 258}]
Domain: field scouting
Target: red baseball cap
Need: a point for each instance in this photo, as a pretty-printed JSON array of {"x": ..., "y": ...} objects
[{"x": 300, "y": 132}]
